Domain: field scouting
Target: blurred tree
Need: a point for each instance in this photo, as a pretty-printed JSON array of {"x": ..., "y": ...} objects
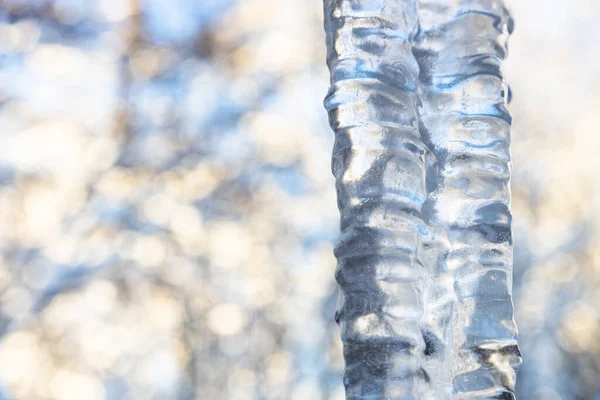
[{"x": 167, "y": 218}]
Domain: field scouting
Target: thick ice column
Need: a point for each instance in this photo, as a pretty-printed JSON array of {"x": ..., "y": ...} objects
[
  {"x": 465, "y": 121},
  {"x": 380, "y": 164},
  {"x": 422, "y": 162}
]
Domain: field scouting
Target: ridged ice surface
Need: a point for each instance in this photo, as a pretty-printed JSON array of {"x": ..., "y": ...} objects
[{"x": 421, "y": 158}]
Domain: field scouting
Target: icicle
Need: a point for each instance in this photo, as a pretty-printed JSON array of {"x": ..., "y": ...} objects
[
  {"x": 421, "y": 161},
  {"x": 380, "y": 165},
  {"x": 460, "y": 48}
]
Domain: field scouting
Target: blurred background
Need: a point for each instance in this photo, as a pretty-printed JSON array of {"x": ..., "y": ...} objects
[{"x": 167, "y": 210}]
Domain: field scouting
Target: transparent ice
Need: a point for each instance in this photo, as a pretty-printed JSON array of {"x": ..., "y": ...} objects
[{"x": 418, "y": 103}]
